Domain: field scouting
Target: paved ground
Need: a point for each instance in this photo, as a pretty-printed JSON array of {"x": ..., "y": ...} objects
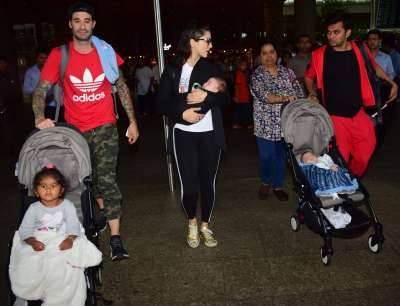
[{"x": 259, "y": 260}]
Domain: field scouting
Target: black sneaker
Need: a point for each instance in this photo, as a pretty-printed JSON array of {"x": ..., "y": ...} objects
[
  {"x": 117, "y": 250},
  {"x": 100, "y": 222}
]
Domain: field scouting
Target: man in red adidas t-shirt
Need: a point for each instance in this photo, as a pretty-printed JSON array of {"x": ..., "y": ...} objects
[{"x": 89, "y": 106}]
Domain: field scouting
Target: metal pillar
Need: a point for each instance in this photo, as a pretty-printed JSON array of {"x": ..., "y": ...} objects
[
  {"x": 160, "y": 53},
  {"x": 373, "y": 16},
  {"x": 305, "y": 17}
]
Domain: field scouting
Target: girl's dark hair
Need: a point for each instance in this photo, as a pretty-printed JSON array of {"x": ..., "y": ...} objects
[
  {"x": 192, "y": 31},
  {"x": 50, "y": 172}
]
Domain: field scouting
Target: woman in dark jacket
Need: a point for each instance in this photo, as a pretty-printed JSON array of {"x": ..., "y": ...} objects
[{"x": 196, "y": 135}]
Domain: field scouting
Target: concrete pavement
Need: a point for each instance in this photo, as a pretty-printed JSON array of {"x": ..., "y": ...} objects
[{"x": 259, "y": 260}]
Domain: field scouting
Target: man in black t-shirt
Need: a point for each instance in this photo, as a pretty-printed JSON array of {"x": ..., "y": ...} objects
[{"x": 342, "y": 80}]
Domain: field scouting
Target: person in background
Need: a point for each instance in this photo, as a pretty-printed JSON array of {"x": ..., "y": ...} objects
[
  {"x": 144, "y": 77},
  {"x": 389, "y": 46},
  {"x": 10, "y": 100},
  {"x": 241, "y": 97},
  {"x": 374, "y": 42},
  {"x": 300, "y": 61},
  {"x": 31, "y": 79}
]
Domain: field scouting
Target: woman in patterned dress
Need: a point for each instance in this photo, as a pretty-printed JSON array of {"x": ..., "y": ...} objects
[{"x": 271, "y": 86}]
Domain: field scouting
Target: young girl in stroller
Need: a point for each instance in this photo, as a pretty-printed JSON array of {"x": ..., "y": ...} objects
[{"x": 50, "y": 250}]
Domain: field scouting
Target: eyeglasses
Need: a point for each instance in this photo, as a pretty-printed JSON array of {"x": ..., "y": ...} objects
[{"x": 207, "y": 40}]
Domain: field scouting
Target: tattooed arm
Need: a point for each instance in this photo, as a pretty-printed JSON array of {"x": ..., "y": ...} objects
[
  {"x": 126, "y": 101},
  {"x": 38, "y": 105}
]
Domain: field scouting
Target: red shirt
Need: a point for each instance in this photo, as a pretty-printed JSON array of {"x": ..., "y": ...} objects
[
  {"x": 87, "y": 92},
  {"x": 242, "y": 93}
]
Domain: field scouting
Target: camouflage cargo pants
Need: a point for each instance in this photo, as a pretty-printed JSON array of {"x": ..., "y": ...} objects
[{"x": 104, "y": 146}]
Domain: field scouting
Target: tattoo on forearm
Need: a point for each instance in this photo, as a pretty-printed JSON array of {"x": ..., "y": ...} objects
[
  {"x": 125, "y": 97},
  {"x": 39, "y": 98}
]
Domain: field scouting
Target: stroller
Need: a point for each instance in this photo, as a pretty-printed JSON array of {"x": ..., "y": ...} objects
[
  {"x": 64, "y": 147},
  {"x": 307, "y": 125}
]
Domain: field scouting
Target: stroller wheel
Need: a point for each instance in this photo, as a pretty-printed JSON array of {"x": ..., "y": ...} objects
[
  {"x": 326, "y": 256},
  {"x": 374, "y": 244},
  {"x": 294, "y": 223}
]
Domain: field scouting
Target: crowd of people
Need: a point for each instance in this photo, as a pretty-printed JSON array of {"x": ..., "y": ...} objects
[{"x": 193, "y": 93}]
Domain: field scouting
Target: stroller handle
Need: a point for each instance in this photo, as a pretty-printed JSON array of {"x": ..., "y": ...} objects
[{"x": 57, "y": 124}]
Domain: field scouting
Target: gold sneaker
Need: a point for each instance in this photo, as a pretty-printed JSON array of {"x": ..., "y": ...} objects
[
  {"x": 208, "y": 237},
  {"x": 193, "y": 238}
]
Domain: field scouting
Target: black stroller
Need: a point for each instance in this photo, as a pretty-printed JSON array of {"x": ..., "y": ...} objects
[
  {"x": 308, "y": 125},
  {"x": 64, "y": 147}
]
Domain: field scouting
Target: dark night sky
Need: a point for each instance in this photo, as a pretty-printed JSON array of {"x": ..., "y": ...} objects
[{"x": 129, "y": 24}]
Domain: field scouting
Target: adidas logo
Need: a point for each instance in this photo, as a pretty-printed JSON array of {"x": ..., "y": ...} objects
[{"x": 87, "y": 84}]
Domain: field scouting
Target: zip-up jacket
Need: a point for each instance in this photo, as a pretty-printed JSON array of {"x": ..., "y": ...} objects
[{"x": 172, "y": 104}]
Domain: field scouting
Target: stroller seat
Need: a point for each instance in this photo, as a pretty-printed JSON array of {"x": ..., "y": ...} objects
[{"x": 63, "y": 147}]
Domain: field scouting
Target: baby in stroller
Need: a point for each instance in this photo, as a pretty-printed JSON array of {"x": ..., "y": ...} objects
[
  {"x": 325, "y": 177},
  {"x": 329, "y": 180},
  {"x": 308, "y": 125},
  {"x": 50, "y": 250},
  {"x": 324, "y": 161}
]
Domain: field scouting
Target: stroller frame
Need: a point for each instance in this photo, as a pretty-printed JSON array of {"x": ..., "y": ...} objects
[{"x": 309, "y": 209}]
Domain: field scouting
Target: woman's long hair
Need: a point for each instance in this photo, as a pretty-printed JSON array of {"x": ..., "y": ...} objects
[{"x": 191, "y": 31}]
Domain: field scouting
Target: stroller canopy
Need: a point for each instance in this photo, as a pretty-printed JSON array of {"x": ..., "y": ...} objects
[
  {"x": 306, "y": 125},
  {"x": 62, "y": 146}
]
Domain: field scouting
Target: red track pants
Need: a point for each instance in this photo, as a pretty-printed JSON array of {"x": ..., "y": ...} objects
[{"x": 356, "y": 140}]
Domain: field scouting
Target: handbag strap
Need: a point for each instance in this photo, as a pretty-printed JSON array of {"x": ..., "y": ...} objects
[{"x": 373, "y": 80}]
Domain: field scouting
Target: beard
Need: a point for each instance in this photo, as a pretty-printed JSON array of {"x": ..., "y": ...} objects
[
  {"x": 87, "y": 37},
  {"x": 340, "y": 43}
]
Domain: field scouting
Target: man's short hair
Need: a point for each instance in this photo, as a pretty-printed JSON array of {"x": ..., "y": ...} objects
[
  {"x": 375, "y": 32},
  {"x": 337, "y": 16},
  {"x": 3, "y": 58},
  {"x": 299, "y": 37},
  {"x": 81, "y": 7}
]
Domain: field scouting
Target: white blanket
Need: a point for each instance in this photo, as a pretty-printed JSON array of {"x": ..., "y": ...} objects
[{"x": 56, "y": 277}]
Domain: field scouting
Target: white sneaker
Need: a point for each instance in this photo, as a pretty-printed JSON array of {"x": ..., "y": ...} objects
[
  {"x": 208, "y": 237},
  {"x": 193, "y": 238}
]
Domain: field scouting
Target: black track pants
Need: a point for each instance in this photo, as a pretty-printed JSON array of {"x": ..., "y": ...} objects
[{"x": 197, "y": 158}]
